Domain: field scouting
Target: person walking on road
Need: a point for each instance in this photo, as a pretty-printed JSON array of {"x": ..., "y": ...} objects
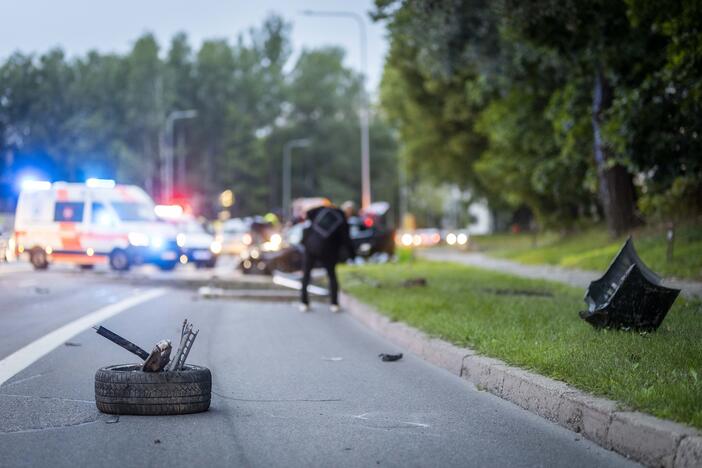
[{"x": 326, "y": 241}]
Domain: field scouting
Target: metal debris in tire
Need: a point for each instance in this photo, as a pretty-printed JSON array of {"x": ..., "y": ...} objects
[{"x": 159, "y": 385}]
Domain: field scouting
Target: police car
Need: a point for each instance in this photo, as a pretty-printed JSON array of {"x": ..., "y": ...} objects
[
  {"x": 196, "y": 244},
  {"x": 97, "y": 222}
]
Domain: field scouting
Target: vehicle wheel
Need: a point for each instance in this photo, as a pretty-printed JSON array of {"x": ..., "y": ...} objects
[
  {"x": 208, "y": 264},
  {"x": 125, "y": 389},
  {"x": 39, "y": 259},
  {"x": 167, "y": 266},
  {"x": 119, "y": 260}
]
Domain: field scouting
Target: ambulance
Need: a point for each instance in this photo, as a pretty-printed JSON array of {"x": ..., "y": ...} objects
[{"x": 98, "y": 222}]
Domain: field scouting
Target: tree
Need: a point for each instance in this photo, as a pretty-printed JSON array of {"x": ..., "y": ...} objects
[
  {"x": 103, "y": 115},
  {"x": 322, "y": 98}
]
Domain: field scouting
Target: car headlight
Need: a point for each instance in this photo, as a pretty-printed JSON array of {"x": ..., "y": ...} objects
[
  {"x": 276, "y": 240},
  {"x": 180, "y": 240},
  {"x": 215, "y": 247},
  {"x": 156, "y": 242},
  {"x": 138, "y": 239}
]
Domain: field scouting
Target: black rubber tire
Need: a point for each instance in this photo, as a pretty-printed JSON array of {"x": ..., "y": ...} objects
[
  {"x": 119, "y": 260},
  {"x": 39, "y": 259},
  {"x": 125, "y": 389},
  {"x": 206, "y": 264},
  {"x": 167, "y": 266}
]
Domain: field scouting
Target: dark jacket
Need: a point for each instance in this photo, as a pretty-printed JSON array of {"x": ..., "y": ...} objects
[{"x": 327, "y": 237}]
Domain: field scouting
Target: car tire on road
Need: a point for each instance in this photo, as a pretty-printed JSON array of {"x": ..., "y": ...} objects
[
  {"x": 167, "y": 266},
  {"x": 38, "y": 258},
  {"x": 119, "y": 260},
  {"x": 206, "y": 264},
  {"x": 126, "y": 389}
]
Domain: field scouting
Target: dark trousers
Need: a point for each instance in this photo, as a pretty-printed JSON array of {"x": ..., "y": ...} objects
[{"x": 330, "y": 266}]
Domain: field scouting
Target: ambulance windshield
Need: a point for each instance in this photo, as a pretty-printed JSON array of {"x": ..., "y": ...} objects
[{"x": 134, "y": 211}]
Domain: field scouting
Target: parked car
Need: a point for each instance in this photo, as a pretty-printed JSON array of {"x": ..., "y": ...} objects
[
  {"x": 370, "y": 231},
  {"x": 198, "y": 246},
  {"x": 235, "y": 235},
  {"x": 4, "y": 246}
]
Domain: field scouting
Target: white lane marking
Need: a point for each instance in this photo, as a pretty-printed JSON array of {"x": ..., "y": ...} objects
[
  {"x": 415, "y": 424},
  {"x": 23, "y": 358}
]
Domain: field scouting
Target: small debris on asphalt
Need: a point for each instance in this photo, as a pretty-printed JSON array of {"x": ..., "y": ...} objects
[
  {"x": 39, "y": 290},
  {"x": 72, "y": 343},
  {"x": 390, "y": 357},
  {"x": 114, "y": 420},
  {"x": 414, "y": 282},
  {"x": 332, "y": 359},
  {"x": 157, "y": 441}
]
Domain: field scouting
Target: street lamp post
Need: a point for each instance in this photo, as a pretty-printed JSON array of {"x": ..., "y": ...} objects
[
  {"x": 363, "y": 112},
  {"x": 168, "y": 150},
  {"x": 287, "y": 150}
]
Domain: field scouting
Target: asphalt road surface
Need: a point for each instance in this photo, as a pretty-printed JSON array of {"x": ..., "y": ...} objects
[{"x": 289, "y": 389}]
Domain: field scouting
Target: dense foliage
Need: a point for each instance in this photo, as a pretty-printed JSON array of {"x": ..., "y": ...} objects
[
  {"x": 104, "y": 115},
  {"x": 578, "y": 109}
]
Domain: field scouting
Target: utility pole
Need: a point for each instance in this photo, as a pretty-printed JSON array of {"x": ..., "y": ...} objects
[
  {"x": 363, "y": 111},
  {"x": 168, "y": 151}
]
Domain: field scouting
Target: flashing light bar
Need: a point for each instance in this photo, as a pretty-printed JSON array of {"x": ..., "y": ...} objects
[
  {"x": 32, "y": 184},
  {"x": 171, "y": 212},
  {"x": 100, "y": 183}
]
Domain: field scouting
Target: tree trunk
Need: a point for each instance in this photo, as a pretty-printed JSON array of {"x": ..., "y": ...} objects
[{"x": 616, "y": 188}]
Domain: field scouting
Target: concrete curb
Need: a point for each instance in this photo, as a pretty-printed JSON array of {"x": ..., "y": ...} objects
[
  {"x": 640, "y": 437},
  {"x": 207, "y": 292}
]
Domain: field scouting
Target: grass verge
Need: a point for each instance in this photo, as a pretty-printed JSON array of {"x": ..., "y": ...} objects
[
  {"x": 593, "y": 249},
  {"x": 534, "y": 324}
]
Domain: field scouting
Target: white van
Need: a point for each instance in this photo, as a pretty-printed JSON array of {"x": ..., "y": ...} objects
[{"x": 93, "y": 223}]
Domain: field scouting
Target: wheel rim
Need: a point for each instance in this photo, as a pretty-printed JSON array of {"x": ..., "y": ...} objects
[
  {"x": 39, "y": 258},
  {"x": 119, "y": 260}
]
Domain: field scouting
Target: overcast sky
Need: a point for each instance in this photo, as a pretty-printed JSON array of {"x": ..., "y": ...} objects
[{"x": 108, "y": 26}]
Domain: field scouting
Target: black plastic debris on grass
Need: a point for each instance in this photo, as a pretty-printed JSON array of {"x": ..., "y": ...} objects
[
  {"x": 414, "y": 283},
  {"x": 628, "y": 296}
]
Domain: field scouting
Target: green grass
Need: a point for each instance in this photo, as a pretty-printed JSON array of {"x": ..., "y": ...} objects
[
  {"x": 593, "y": 249},
  {"x": 659, "y": 373}
]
